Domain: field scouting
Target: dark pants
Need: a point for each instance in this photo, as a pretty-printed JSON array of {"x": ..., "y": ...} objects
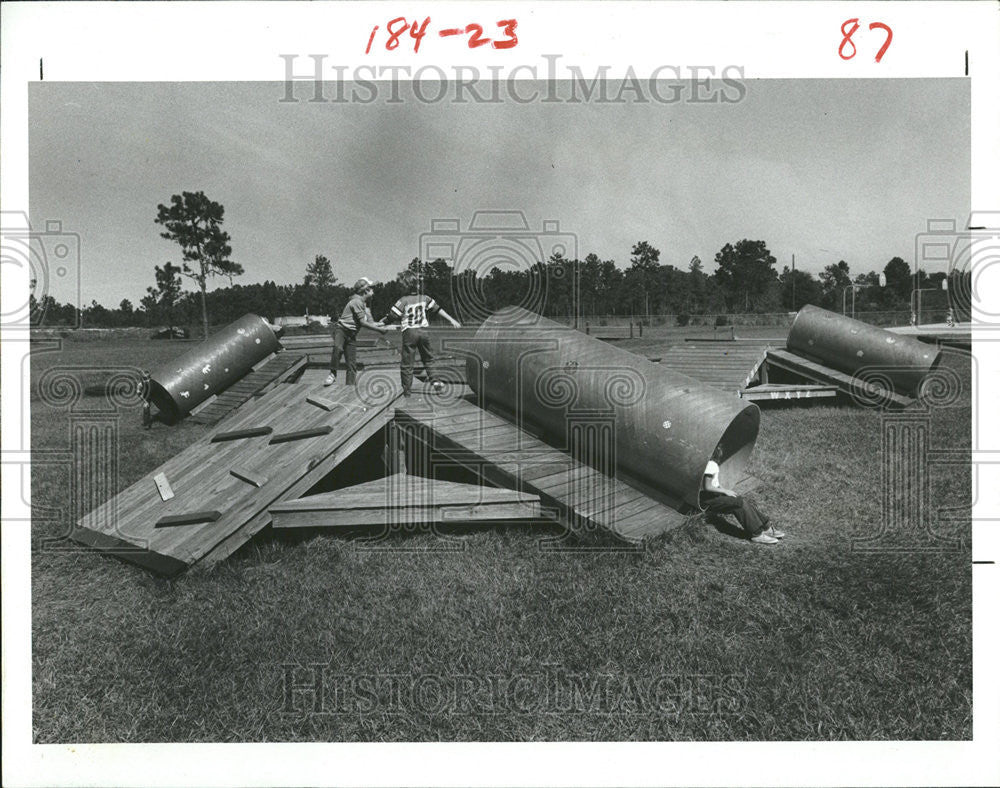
[
  {"x": 414, "y": 340},
  {"x": 344, "y": 342},
  {"x": 747, "y": 515}
]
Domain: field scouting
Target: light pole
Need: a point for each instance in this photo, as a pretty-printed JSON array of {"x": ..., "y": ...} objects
[
  {"x": 854, "y": 291},
  {"x": 793, "y": 282},
  {"x": 915, "y": 308}
]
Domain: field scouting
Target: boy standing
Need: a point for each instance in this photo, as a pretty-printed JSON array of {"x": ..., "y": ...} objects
[
  {"x": 411, "y": 311},
  {"x": 345, "y": 333}
]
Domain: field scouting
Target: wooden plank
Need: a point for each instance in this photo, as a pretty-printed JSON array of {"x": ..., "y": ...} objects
[
  {"x": 321, "y": 402},
  {"x": 298, "y": 435},
  {"x": 136, "y": 554},
  {"x": 406, "y": 515},
  {"x": 250, "y": 477},
  {"x": 189, "y": 518},
  {"x": 405, "y": 500},
  {"x": 253, "y": 432},
  {"x": 405, "y": 491},
  {"x": 780, "y": 391}
]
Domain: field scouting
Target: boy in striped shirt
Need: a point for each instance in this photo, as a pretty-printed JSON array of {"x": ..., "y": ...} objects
[{"x": 411, "y": 311}]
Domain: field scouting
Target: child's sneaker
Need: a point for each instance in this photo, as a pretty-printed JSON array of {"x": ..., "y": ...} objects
[
  {"x": 330, "y": 380},
  {"x": 772, "y": 531},
  {"x": 763, "y": 538}
]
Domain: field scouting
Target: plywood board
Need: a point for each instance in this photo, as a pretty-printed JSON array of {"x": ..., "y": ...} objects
[{"x": 201, "y": 478}]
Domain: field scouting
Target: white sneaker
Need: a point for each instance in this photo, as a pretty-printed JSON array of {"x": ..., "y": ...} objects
[
  {"x": 763, "y": 538},
  {"x": 330, "y": 380},
  {"x": 772, "y": 531}
]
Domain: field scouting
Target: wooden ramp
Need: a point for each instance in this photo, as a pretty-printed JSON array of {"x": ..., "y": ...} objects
[
  {"x": 279, "y": 368},
  {"x": 730, "y": 366},
  {"x": 576, "y": 495},
  {"x": 404, "y": 500},
  {"x": 821, "y": 374},
  {"x": 273, "y": 449}
]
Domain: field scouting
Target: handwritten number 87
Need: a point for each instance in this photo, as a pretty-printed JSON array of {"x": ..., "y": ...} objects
[{"x": 850, "y": 27}]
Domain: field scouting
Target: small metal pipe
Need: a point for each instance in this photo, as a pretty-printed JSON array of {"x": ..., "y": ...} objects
[{"x": 179, "y": 386}]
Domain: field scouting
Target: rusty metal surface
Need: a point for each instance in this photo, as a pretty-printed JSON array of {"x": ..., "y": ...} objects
[
  {"x": 666, "y": 425},
  {"x": 857, "y": 348},
  {"x": 212, "y": 366}
]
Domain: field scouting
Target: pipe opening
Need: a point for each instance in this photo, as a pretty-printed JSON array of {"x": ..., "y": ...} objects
[{"x": 732, "y": 452}]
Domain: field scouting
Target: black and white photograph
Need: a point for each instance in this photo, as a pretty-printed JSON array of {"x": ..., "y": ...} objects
[{"x": 491, "y": 375}]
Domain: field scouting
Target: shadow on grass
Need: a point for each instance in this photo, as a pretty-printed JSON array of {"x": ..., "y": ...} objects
[{"x": 436, "y": 537}]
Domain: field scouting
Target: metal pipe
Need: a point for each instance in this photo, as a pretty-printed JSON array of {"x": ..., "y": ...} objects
[
  {"x": 666, "y": 426},
  {"x": 851, "y": 346},
  {"x": 177, "y": 387}
]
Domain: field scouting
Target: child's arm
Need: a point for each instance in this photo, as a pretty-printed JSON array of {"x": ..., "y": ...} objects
[
  {"x": 449, "y": 318},
  {"x": 365, "y": 320}
]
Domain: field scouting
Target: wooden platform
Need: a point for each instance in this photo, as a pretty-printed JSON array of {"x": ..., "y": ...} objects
[
  {"x": 820, "y": 374},
  {"x": 730, "y": 366},
  {"x": 405, "y": 500},
  {"x": 279, "y": 368},
  {"x": 577, "y": 495},
  {"x": 373, "y": 353},
  {"x": 238, "y": 478}
]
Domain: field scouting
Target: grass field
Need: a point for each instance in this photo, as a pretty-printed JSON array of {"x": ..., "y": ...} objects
[{"x": 699, "y": 635}]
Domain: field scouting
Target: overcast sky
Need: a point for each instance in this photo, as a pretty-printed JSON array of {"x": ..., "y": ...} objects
[{"x": 826, "y": 170}]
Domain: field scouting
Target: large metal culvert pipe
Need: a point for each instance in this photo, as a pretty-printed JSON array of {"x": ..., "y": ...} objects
[
  {"x": 667, "y": 426},
  {"x": 851, "y": 346},
  {"x": 212, "y": 366}
]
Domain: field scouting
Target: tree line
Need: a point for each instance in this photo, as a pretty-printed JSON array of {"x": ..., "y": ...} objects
[{"x": 745, "y": 281}]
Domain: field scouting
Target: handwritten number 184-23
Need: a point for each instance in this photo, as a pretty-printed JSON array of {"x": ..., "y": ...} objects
[{"x": 399, "y": 26}]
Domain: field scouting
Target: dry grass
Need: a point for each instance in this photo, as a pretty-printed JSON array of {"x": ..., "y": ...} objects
[{"x": 697, "y": 636}]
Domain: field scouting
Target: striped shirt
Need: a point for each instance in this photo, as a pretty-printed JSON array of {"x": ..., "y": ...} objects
[{"x": 412, "y": 310}]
